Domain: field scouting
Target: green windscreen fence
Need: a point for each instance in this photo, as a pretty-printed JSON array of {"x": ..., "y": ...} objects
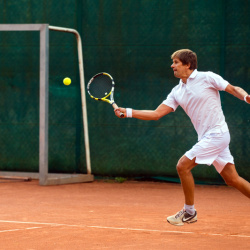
[{"x": 132, "y": 41}]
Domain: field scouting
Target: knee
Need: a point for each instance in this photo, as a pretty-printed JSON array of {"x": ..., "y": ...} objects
[
  {"x": 184, "y": 165},
  {"x": 181, "y": 168},
  {"x": 232, "y": 181},
  {"x": 230, "y": 175}
]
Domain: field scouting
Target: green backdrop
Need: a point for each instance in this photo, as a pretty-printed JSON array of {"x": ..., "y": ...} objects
[{"x": 132, "y": 40}]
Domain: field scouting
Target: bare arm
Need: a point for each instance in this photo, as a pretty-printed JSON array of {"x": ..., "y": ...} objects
[
  {"x": 156, "y": 114},
  {"x": 237, "y": 92}
]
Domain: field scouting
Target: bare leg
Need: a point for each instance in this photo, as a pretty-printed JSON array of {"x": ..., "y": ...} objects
[
  {"x": 184, "y": 167},
  {"x": 231, "y": 177}
]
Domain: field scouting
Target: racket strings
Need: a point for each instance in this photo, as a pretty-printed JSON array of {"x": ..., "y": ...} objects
[{"x": 101, "y": 86}]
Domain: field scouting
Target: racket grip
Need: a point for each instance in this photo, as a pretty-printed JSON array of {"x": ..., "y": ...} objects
[{"x": 115, "y": 107}]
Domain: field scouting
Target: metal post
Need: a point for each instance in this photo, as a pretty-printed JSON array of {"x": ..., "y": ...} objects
[
  {"x": 83, "y": 95},
  {"x": 44, "y": 177},
  {"x": 44, "y": 104}
]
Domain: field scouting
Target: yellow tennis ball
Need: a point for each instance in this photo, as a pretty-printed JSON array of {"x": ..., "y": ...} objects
[{"x": 67, "y": 81}]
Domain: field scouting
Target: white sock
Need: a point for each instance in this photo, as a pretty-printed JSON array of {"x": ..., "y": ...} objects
[{"x": 189, "y": 209}]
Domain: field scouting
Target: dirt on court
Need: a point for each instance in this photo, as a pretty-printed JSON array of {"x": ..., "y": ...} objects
[{"x": 129, "y": 215}]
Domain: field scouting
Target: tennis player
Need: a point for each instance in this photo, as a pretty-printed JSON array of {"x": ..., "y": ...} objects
[{"x": 198, "y": 94}]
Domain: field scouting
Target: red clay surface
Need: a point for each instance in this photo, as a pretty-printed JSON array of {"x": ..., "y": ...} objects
[{"x": 129, "y": 215}]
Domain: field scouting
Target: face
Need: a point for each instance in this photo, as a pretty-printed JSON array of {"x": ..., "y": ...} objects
[{"x": 180, "y": 70}]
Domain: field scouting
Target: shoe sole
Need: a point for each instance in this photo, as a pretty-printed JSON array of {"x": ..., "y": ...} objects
[{"x": 181, "y": 224}]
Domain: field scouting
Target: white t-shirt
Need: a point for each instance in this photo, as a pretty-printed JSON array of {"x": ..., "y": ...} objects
[{"x": 200, "y": 99}]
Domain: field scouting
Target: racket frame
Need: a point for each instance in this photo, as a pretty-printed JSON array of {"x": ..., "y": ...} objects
[{"x": 111, "y": 93}]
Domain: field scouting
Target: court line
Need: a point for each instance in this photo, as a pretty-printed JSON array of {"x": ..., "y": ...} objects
[
  {"x": 122, "y": 228},
  {"x": 29, "y": 222},
  {"x": 18, "y": 229},
  {"x": 141, "y": 229}
]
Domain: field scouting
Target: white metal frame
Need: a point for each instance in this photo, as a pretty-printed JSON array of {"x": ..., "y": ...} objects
[{"x": 44, "y": 177}]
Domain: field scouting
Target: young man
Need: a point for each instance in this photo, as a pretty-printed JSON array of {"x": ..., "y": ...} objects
[{"x": 198, "y": 94}]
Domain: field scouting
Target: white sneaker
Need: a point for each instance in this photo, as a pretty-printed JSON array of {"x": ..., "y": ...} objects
[{"x": 182, "y": 217}]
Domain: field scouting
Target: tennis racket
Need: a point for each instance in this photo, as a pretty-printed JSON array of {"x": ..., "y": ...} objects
[{"x": 100, "y": 87}]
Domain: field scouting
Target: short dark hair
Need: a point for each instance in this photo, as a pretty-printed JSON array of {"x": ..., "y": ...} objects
[{"x": 186, "y": 56}]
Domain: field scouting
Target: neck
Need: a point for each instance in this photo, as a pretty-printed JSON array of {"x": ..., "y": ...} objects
[{"x": 186, "y": 76}]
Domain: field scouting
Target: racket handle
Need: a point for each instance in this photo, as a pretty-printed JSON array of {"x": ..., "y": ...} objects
[{"x": 115, "y": 107}]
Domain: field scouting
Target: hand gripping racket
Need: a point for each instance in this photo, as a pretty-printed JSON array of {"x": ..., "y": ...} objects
[{"x": 100, "y": 87}]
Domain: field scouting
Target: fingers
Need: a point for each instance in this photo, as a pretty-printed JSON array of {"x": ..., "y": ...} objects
[
  {"x": 119, "y": 111},
  {"x": 248, "y": 98}
]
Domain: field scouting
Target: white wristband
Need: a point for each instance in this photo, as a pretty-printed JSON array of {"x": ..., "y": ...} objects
[
  {"x": 245, "y": 99},
  {"x": 129, "y": 112}
]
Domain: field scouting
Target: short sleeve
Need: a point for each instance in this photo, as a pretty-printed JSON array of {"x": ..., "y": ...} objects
[
  {"x": 217, "y": 81},
  {"x": 171, "y": 101}
]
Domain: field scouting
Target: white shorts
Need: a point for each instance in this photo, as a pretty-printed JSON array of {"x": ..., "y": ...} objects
[{"x": 212, "y": 149}]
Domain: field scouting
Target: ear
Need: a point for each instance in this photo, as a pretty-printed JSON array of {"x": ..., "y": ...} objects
[{"x": 188, "y": 66}]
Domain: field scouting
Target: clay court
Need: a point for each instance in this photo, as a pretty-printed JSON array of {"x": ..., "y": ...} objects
[{"x": 110, "y": 215}]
